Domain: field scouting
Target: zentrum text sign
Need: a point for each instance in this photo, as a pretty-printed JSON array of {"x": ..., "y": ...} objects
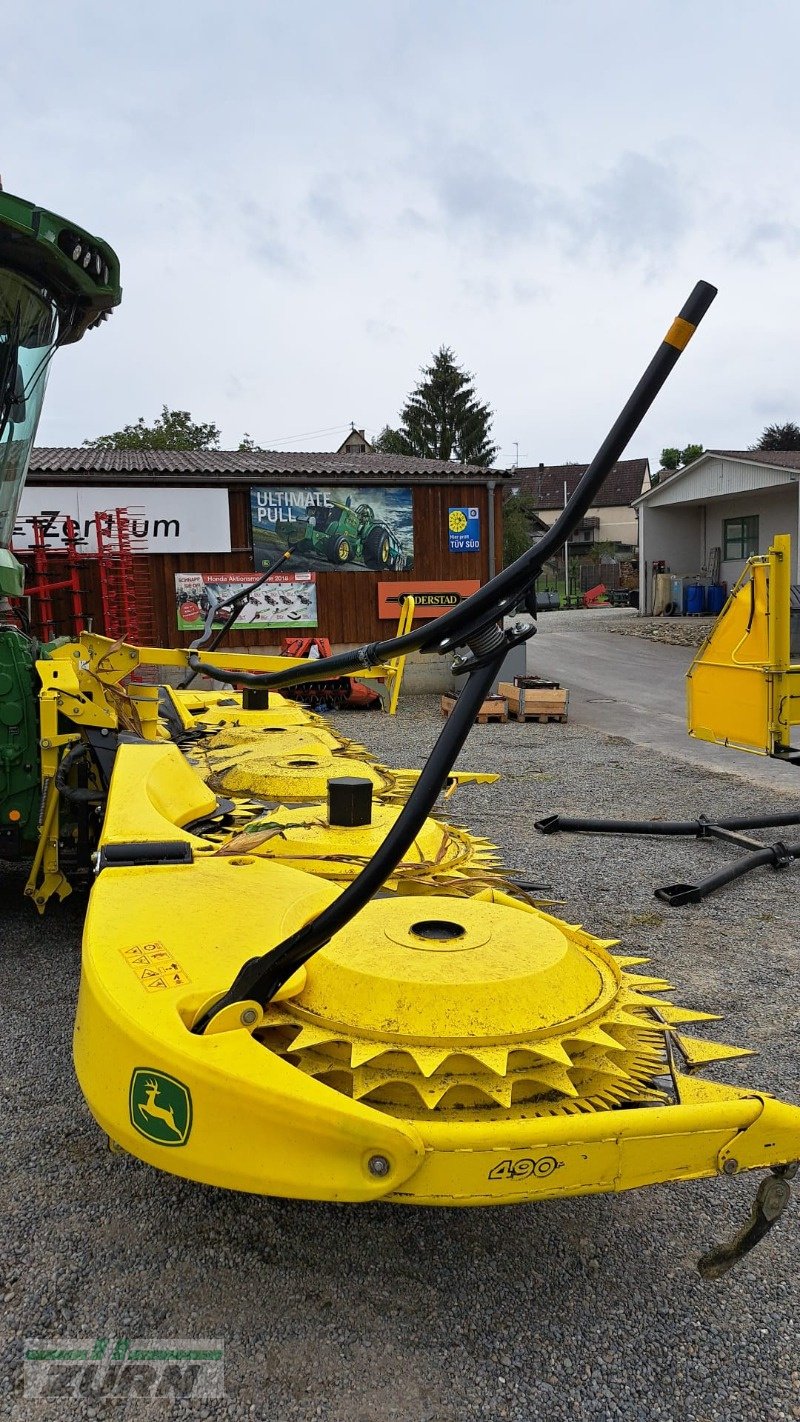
[{"x": 161, "y": 520}]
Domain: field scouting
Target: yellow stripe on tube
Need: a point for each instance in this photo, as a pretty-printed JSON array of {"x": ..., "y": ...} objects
[{"x": 680, "y": 333}]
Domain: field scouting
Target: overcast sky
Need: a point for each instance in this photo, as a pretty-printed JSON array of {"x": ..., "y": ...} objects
[{"x": 308, "y": 198}]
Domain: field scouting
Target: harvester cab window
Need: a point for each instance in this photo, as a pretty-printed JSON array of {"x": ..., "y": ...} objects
[{"x": 28, "y": 332}]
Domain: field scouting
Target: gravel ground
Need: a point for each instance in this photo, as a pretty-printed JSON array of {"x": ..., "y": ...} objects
[
  {"x": 585, "y": 1308},
  {"x": 677, "y": 631}
]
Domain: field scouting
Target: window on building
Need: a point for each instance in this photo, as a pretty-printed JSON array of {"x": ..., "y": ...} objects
[{"x": 740, "y": 537}]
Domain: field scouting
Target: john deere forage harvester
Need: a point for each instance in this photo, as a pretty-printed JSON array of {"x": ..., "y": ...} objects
[{"x": 250, "y": 1024}]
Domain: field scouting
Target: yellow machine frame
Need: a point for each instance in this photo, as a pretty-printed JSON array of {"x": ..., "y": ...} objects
[{"x": 742, "y": 688}]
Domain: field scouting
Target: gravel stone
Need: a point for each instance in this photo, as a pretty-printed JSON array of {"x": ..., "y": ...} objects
[
  {"x": 586, "y": 1307},
  {"x": 676, "y": 631}
]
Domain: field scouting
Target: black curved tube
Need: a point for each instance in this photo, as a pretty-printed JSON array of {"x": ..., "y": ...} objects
[
  {"x": 475, "y": 623},
  {"x": 504, "y": 592},
  {"x": 78, "y": 794},
  {"x": 260, "y": 978}
]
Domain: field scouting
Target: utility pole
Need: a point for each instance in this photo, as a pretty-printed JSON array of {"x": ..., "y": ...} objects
[{"x": 566, "y": 551}]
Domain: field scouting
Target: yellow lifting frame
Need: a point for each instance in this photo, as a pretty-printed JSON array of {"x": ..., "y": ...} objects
[
  {"x": 397, "y": 667},
  {"x": 742, "y": 689}
]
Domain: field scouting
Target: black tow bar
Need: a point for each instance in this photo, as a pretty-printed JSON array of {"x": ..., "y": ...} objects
[{"x": 778, "y": 855}]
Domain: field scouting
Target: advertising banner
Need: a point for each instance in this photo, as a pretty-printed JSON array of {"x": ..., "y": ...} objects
[
  {"x": 429, "y": 598},
  {"x": 464, "y": 530},
  {"x": 162, "y": 520},
  {"x": 287, "y": 600},
  {"x": 348, "y": 530}
]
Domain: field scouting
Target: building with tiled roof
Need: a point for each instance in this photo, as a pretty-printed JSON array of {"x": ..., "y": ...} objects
[
  {"x": 612, "y": 517},
  {"x": 94, "y": 464},
  {"x": 360, "y": 527},
  {"x": 701, "y": 523}
]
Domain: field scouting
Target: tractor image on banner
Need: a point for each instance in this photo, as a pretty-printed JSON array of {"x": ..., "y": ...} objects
[{"x": 347, "y": 529}]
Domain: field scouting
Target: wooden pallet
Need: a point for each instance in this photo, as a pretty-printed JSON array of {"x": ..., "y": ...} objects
[
  {"x": 494, "y": 708},
  {"x": 526, "y": 703}
]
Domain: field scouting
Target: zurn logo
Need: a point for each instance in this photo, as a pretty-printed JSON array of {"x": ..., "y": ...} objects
[{"x": 124, "y": 1367}]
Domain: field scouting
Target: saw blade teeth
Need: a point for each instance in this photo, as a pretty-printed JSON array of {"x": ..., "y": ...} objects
[
  {"x": 366, "y": 1080},
  {"x": 362, "y": 1051},
  {"x": 641, "y": 983},
  {"x": 495, "y": 1059},
  {"x": 431, "y": 1093},
  {"x": 594, "y": 1036},
  {"x": 623, "y": 960},
  {"x": 549, "y": 1079},
  {"x": 596, "y": 1063},
  {"x": 428, "y": 1059},
  {"x": 634, "y": 998},
  {"x": 501, "y": 1092},
  {"x": 544, "y": 1076},
  {"x": 674, "y": 1014},
  {"x": 552, "y": 1052},
  {"x": 620, "y": 1018},
  {"x": 699, "y": 1051},
  {"x": 310, "y": 1036}
]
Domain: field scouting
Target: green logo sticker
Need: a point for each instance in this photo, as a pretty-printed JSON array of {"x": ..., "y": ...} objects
[{"x": 160, "y": 1107}]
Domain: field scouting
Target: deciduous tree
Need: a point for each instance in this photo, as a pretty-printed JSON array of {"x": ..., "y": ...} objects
[
  {"x": 779, "y": 437},
  {"x": 174, "y": 429}
]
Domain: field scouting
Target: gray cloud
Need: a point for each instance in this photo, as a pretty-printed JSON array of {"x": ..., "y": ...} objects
[
  {"x": 637, "y": 209},
  {"x": 773, "y": 407},
  {"x": 266, "y": 243},
  {"x": 524, "y": 293},
  {"x": 383, "y": 331},
  {"x": 325, "y": 206},
  {"x": 764, "y": 238},
  {"x": 475, "y": 191}
]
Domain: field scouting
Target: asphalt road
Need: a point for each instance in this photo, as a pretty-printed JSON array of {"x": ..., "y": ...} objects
[{"x": 632, "y": 687}]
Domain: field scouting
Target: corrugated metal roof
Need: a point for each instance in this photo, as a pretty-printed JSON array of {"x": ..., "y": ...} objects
[
  {"x": 545, "y": 483},
  {"x": 779, "y": 459},
  {"x": 233, "y": 464}
]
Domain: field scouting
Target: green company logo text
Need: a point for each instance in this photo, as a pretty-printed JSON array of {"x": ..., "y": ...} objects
[{"x": 124, "y": 1367}]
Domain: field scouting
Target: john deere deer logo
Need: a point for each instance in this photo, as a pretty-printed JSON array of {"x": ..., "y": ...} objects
[{"x": 160, "y": 1107}]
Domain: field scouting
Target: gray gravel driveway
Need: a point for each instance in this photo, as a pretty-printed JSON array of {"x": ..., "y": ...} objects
[{"x": 585, "y": 1308}]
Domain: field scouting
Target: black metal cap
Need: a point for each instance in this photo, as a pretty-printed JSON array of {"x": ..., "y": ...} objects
[{"x": 350, "y": 801}]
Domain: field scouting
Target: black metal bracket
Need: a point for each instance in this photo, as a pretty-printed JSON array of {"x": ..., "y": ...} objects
[
  {"x": 512, "y": 637},
  {"x": 770, "y": 1202}
]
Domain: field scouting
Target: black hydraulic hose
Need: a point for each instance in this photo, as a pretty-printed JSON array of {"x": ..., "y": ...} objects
[
  {"x": 699, "y": 828},
  {"x": 234, "y": 603},
  {"x": 475, "y": 623},
  {"x": 241, "y": 599},
  {"x": 260, "y": 978},
  {"x": 77, "y": 752},
  {"x": 504, "y": 592}
]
